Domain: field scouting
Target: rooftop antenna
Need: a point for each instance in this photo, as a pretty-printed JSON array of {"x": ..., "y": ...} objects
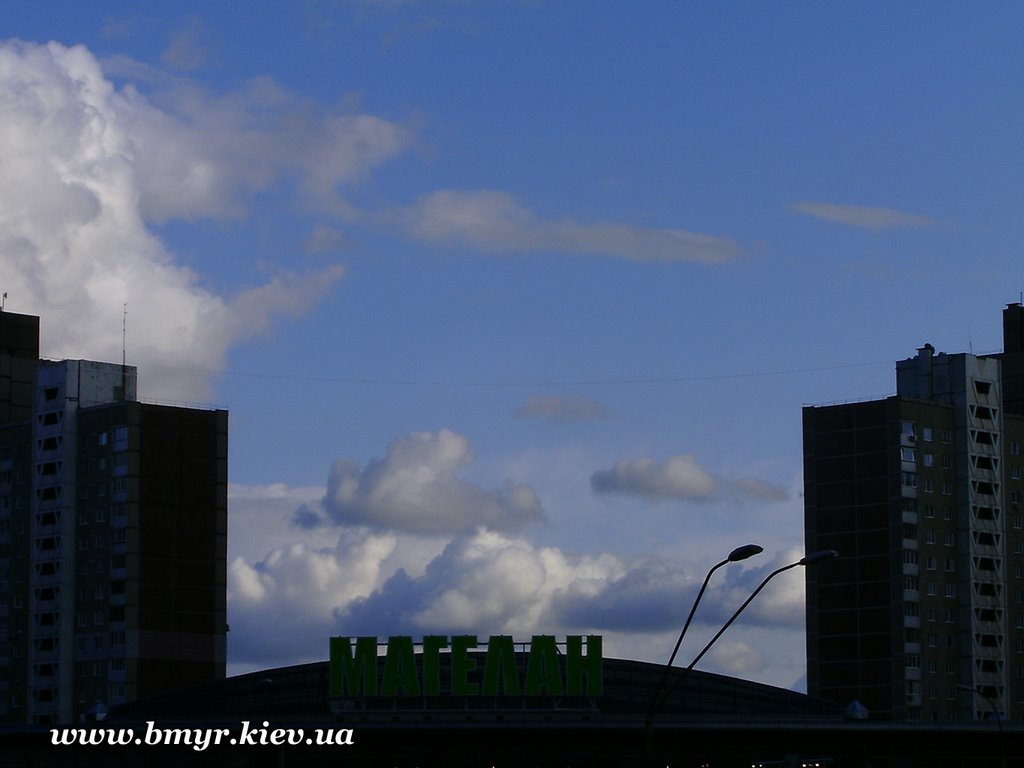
[
  {"x": 124, "y": 337},
  {"x": 970, "y": 340},
  {"x": 3, "y": 301}
]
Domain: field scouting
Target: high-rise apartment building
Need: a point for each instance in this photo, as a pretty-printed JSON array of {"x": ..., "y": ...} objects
[
  {"x": 921, "y": 495},
  {"x": 113, "y": 531}
]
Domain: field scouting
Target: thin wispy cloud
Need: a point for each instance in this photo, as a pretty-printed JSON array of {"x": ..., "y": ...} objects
[
  {"x": 862, "y": 217},
  {"x": 491, "y": 220},
  {"x": 678, "y": 477},
  {"x": 562, "y": 408}
]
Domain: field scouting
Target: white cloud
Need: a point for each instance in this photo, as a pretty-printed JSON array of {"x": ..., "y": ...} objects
[
  {"x": 562, "y": 408},
  {"x": 678, "y": 477},
  {"x": 872, "y": 219},
  {"x": 198, "y": 155},
  {"x": 84, "y": 165},
  {"x": 737, "y": 658},
  {"x": 259, "y": 516},
  {"x": 488, "y": 583},
  {"x": 416, "y": 488},
  {"x": 495, "y": 221},
  {"x": 298, "y": 586}
]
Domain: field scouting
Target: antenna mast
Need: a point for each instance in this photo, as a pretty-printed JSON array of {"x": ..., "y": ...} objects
[{"x": 124, "y": 337}]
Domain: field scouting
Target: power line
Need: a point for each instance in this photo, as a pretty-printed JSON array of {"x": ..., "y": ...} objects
[{"x": 517, "y": 383}]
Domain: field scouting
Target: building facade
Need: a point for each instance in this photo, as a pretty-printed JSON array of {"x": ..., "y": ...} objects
[
  {"x": 921, "y": 495},
  {"x": 113, "y": 531}
]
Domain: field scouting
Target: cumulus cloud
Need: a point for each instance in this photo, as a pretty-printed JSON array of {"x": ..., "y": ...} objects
[
  {"x": 299, "y": 587},
  {"x": 486, "y": 582},
  {"x": 678, "y": 477},
  {"x": 872, "y": 219},
  {"x": 416, "y": 488},
  {"x": 84, "y": 166},
  {"x": 483, "y": 583},
  {"x": 562, "y": 408},
  {"x": 648, "y": 596},
  {"x": 258, "y": 522},
  {"x": 496, "y": 221},
  {"x": 738, "y": 658}
]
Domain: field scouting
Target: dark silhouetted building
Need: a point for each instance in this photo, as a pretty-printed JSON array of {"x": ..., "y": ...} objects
[
  {"x": 113, "y": 531},
  {"x": 921, "y": 495}
]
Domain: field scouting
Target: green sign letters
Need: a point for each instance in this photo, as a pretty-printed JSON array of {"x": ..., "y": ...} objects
[{"x": 355, "y": 667}]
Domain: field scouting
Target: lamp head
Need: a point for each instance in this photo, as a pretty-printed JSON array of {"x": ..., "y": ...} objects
[
  {"x": 817, "y": 557},
  {"x": 742, "y": 553}
]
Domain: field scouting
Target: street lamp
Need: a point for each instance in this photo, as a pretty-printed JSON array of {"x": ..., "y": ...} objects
[
  {"x": 738, "y": 554},
  {"x": 812, "y": 559}
]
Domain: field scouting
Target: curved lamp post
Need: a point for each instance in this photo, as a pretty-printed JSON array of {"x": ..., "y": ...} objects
[
  {"x": 812, "y": 559},
  {"x": 977, "y": 691},
  {"x": 738, "y": 554}
]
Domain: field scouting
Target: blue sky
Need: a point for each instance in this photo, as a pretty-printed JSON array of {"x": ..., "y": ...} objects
[{"x": 514, "y": 304}]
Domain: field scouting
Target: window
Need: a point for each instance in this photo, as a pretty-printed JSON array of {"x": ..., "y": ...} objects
[
  {"x": 927, "y": 434},
  {"x": 1014, "y": 448},
  {"x": 951, "y": 590},
  {"x": 913, "y": 661},
  {"x": 930, "y": 563},
  {"x": 950, "y": 565},
  {"x": 908, "y": 454},
  {"x": 910, "y": 583},
  {"x": 909, "y": 429},
  {"x": 929, "y": 510},
  {"x": 929, "y": 485},
  {"x": 909, "y": 479},
  {"x": 929, "y": 535},
  {"x": 932, "y": 589},
  {"x": 929, "y": 460},
  {"x": 910, "y": 556},
  {"x": 947, "y": 437}
]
